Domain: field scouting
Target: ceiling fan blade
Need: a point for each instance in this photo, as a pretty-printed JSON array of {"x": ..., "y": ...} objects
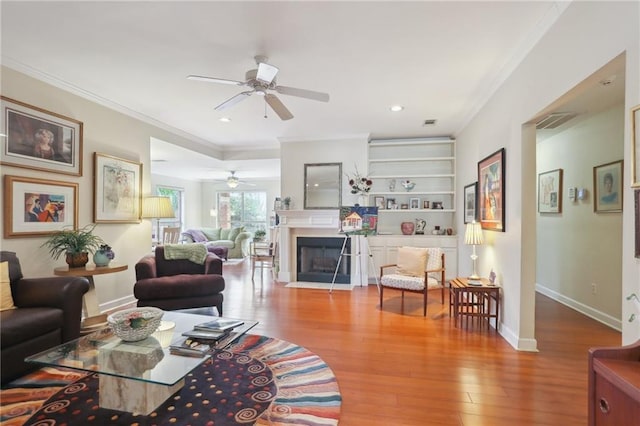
[
  {"x": 234, "y": 100},
  {"x": 303, "y": 93},
  {"x": 215, "y": 80},
  {"x": 278, "y": 107},
  {"x": 266, "y": 72}
]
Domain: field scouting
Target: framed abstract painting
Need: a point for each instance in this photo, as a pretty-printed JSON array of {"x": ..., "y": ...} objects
[
  {"x": 491, "y": 185},
  {"x": 470, "y": 202},
  {"x": 550, "y": 191},
  {"x": 36, "y": 207}
]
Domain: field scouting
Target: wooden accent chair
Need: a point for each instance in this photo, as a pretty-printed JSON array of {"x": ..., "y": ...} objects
[
  {"x": 416, "y": 270},
  {"x": 171, "y": 235},
  {"x": 263, "y": 257}
]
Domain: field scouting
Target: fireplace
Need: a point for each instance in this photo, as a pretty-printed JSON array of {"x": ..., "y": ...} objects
[{"x": 317, "y": 258}]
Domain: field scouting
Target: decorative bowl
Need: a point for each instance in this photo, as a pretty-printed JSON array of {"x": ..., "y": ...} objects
[
  {"x": 135, "y": 324},
  {"x": 408, "y": 185}
]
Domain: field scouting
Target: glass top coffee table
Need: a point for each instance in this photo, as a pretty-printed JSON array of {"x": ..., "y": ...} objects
[{"x": 135, "y": 376}]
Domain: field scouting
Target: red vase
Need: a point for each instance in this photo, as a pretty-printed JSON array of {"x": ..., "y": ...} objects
[{"x": 407, "y": 228}]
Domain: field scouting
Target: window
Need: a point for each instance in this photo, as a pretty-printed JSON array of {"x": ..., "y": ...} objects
[
  {"x": 177, "y": 202},
  {"x": 242, "y": 208}
]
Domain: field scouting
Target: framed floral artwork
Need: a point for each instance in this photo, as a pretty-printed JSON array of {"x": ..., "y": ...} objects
[
  {"x": 117, "y": 193},
  {"x": 550, "y": 192},
  {"x": 36, "y": 207},
  {"x": 491, "y": 185},
  {"x": 39, "y": 139}
]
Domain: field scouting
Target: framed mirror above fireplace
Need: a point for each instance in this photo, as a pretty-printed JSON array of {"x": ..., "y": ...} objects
[{"x": 323, "y": 186}]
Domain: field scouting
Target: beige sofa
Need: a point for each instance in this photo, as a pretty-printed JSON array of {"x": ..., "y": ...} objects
[{"x": 236, "y": 240}]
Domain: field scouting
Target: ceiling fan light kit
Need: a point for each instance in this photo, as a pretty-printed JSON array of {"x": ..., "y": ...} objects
[{"x": 261, "y": 81}]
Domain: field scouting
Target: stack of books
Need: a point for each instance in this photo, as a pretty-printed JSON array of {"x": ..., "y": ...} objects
[{"x": 204, "y": 338}]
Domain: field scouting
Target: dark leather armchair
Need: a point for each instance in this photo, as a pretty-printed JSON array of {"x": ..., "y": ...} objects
[
  {"x": 48, "y": 313},
  {"x": 179, "y": 283}
]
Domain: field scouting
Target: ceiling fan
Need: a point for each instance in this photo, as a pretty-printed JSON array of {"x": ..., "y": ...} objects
[
  {"x": 262, "y": 81},
  {"x": 233, "y": 181}
]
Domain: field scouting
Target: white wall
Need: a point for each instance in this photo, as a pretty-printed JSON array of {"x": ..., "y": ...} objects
[
  {"x": 105, "y": 131},
  {"x": 579, "y": 247},
  {"x": 583, "y": 39},
  {"x": 351, "y": 153}
]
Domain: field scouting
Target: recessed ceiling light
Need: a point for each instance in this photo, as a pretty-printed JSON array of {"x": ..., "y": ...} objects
[
  {"x": 396, "y": 108},
  {"x": 225, "y": 119}
]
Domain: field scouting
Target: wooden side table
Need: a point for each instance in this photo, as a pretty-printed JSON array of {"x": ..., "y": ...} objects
[
  {"x": 469, "y": 301},
  {"x": 93, "y": 318}
]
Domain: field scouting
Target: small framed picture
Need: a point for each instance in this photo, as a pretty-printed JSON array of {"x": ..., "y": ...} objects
[
  {"x": 550, "y": 191},
  {"x": 391, "y": 203},
  {"x": 379, "y": 202},
  {"x": 607, "y": 187},
  {"x": 437, "y": 205},
  {"x": 426, "y": 204},
  {"x": 414, "y": 203},
  {"x": 470, "y": 202},
  {"x": 404, "y": 206}
]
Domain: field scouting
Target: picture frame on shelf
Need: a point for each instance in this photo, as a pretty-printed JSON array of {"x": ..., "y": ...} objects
[
  {"x": 404, "y": 206},
  {"x": 471, "y": 202},
  {"x": 607, "y": 187},
  {"x": 38, "y": 139},
  {"x": 426, "y": 204},
  {"x": 437, "y": 205},
  {"x": 491, "y": 189},
  {"x": 37, "y": 207},
  {"x": 117, "y": 192},
  {"x": 635, "y": 146},
  {"x": 391, "y": 203},
  {"x": 414, "y": 203},
  {"x": 379, "y": 202},
  {"x": 550, "y": 191}
]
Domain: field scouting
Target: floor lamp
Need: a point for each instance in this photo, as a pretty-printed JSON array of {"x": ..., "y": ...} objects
[
  {"x": 473, "y": 237},
  {"x": 156, "y": 207}
]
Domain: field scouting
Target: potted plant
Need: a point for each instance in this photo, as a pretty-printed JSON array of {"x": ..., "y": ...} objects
[
  {"x": 259, "y": 235},
  {"x": 286, "y": 203},
  {"x": 75, "y": 244}
]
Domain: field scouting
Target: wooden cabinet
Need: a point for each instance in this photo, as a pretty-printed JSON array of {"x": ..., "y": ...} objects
[
  {"x": 430, "y": 164},
  {"x": 614, "y": 385}
]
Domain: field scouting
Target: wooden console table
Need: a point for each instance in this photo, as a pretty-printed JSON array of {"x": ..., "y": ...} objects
[
  {"x": 93, "y": 318},
  {"x": 614, "y": 385},
  {"x": 470, "y": 302}
]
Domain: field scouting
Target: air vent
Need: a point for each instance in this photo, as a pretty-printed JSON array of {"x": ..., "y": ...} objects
[
  {"x": 554, "y": 120},
  {"x": 430, "y": 122}
]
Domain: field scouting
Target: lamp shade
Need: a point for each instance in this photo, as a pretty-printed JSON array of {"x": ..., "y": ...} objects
[
  {"x": 473, "y": 234},
  {"x": 156, "y": 207}
]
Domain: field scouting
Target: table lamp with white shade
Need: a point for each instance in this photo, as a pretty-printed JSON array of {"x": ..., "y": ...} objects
[
  {"x": 157, "y": 207},
  {"x": 473, "y": 237}
]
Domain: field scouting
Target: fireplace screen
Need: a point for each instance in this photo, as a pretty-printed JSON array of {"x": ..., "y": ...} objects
[{"x": 318, "y": 258}]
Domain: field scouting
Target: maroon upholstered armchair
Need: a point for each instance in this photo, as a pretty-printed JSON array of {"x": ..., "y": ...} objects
[
  {"x": 47, "y": 313},
  {"x": 172, "y": 284}
]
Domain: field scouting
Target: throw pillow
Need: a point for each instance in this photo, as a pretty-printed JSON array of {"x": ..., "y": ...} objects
[
  {"x": 213, "y": 234},
  {"x": 6, "y": 300},
  {"x": 235, "y": 232},
  {"x": 197, "y": 235},
  {"x": 412, "y": 261},
  {"x": 224, "y": 234}
]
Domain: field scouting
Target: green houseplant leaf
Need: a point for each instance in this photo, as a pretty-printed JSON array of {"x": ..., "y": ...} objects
[{"x": 73, "y": 241}]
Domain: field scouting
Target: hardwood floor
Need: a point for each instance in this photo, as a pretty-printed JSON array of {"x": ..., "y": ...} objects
[{"x": 396, "y": 368}]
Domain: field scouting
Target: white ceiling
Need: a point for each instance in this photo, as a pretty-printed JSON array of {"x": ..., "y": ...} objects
[{"x": 440, "y": 60}]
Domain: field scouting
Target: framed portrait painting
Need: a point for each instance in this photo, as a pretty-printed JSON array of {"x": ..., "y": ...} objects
[
  {"x": 414, "y": 203},
  {"x": 470, "y": 202},
  {"x": 40, "y": 140},
  {"x": 550, "y": 191},
  {"x": 118, "y": 185},
  {"x": 379, "y": 202},
  {"x": 607, "y": 187},
  {"x": 635, "y": 146},
  {"x": 491, "y": 187},
  {"x": 36, "y": 207}
]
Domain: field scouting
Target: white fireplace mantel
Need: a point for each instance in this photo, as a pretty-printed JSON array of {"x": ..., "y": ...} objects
[{"x": 318, "y": 223}]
